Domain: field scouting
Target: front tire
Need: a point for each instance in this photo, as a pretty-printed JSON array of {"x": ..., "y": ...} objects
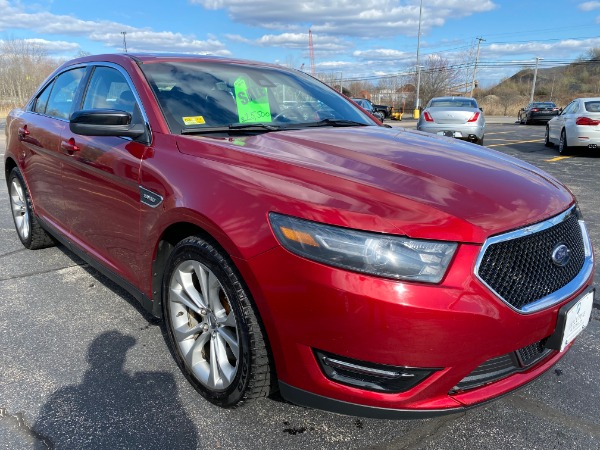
[
  {"x": 212, "y": 327},
  {"x": 30, "y": 232},
  {"x": 563, "y": 146},
  {"x": 547, "y": 142}
]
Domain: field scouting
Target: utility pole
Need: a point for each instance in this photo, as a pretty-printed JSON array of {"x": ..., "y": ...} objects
[
  {"x": 537, "y": 60},
  {"x": 475, "y": 68},
  {"x": 124, "y": 33},
  {"x": 417, "y": 111}
]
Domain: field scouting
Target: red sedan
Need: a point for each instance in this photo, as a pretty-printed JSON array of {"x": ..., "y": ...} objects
[{"x": 291, "y": 242}]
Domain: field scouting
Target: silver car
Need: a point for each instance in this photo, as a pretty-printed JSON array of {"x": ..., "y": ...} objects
[
  {"x": 458, "y": 117},
  {"x": 577, "y": 126}
]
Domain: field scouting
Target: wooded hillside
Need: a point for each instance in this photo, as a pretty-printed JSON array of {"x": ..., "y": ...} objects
[{"x": 557, "y": 84}]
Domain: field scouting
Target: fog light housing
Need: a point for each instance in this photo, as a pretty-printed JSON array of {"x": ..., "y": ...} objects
[{"x": 370, "y": 376}]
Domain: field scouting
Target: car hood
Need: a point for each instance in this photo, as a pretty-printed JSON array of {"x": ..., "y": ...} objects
[{"x": 418, "y": 184}]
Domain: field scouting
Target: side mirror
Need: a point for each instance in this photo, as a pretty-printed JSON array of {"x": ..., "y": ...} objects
[
  {"x": 105, "y": 122},
  {"x": 481, "y": 109}
]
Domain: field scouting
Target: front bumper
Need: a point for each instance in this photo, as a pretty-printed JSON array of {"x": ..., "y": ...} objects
[{"x": 453, "y": 328}]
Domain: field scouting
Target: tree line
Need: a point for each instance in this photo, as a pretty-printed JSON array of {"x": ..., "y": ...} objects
[{"x": 24, "y": 65}]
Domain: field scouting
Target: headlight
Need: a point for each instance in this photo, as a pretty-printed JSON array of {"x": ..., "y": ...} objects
[{"x": 376, "y": 254}]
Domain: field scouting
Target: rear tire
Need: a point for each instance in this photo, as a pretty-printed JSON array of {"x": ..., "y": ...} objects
[
  {"x": 30, "y": 232},
  {"x": 212, "y": 326}
]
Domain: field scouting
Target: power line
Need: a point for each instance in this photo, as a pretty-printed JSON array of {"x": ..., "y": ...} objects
[{"x": 482, "y": 64}]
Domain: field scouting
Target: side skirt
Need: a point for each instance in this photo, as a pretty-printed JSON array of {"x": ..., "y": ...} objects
[{"x": 143, "y": 299}]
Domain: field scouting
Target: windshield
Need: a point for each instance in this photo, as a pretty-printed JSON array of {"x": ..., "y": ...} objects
[
  {"x": 203, "y": 96},
  {"x": 453, "y": 103},
  {"x": 543, "y": 105},
  {"x": 592, "y": 106}
]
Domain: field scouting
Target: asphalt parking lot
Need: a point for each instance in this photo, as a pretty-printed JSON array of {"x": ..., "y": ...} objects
[{"x": 82, "y": 366}]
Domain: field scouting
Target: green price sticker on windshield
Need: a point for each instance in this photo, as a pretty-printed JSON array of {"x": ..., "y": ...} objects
[{"x": 252, "y": 103}]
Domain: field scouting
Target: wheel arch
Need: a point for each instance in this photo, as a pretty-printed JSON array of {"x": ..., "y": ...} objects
[
  {"x": 9, "y": 165},
  {"x": 170, "y": 237}
]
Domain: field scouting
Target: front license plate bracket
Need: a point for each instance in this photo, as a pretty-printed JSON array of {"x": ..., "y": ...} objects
[{"x": 572, "y": 319}]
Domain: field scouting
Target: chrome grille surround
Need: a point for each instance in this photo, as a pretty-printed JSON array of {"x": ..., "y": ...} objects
[{"x": 563, "y": 292}]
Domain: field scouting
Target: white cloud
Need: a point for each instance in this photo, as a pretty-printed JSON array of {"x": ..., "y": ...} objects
[
  {"x": 553, "y": 50},
  {"x": 323, "y": 44},
  {"x": 367, "y": 18},
  {"x": 589, "y": 6},
  {"x": 383, "y": 54},
  {"x": 333, "y": 65},
  {"x": 52, "y": 46},
  {"x": 14, "y": 17}
]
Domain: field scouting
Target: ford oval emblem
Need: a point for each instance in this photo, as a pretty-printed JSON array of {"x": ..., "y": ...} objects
[{"x": 561, "y": 255}]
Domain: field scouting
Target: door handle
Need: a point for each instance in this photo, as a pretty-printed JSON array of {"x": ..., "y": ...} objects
[
  {"x": 23, "y": 131},
  {"x": 69, "y": 146}
]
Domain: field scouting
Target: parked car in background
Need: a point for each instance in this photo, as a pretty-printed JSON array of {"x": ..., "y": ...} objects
[
  {"x": 383, "y": 109},
  {"x": 300, "y": 245},
  {"x": 458, "y": 117},
  {"x": 397, "y": 113},
  {"x": 538, "y": 112},
  {"x": 577, "y": 126},
  {"x": 367, "y": 105}
]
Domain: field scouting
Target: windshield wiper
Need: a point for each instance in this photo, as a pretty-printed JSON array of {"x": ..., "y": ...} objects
[
  {"x": 248, "y": 126},
  {"x": 336, "y": 123},
  {"x": 232, "y": 127}
]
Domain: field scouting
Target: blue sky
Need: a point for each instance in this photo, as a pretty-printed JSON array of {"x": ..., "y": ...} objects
[{"x": 353, "y": 38}]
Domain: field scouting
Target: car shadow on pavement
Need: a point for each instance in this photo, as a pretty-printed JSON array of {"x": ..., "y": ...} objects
[{"x": 111, "y": 408}]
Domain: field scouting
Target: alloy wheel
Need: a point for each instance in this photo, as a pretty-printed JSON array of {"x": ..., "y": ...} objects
[
  {"x": 204, "y": 325},
  {"x": 18, "y": 203}
]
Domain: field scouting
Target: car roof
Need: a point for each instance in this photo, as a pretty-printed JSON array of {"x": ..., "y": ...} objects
[
  {"x": 141, "y": 58},
  {"x": 456, "y": 97}
]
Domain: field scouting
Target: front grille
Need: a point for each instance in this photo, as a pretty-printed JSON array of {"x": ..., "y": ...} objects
[
  {"x": 521, "y": 270},
  {"x": 502, "y": 366},
  {"x": 490, "y": 371}
]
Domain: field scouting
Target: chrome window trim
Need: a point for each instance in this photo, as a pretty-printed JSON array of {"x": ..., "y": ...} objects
[{"x": 563, "y": 293}]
